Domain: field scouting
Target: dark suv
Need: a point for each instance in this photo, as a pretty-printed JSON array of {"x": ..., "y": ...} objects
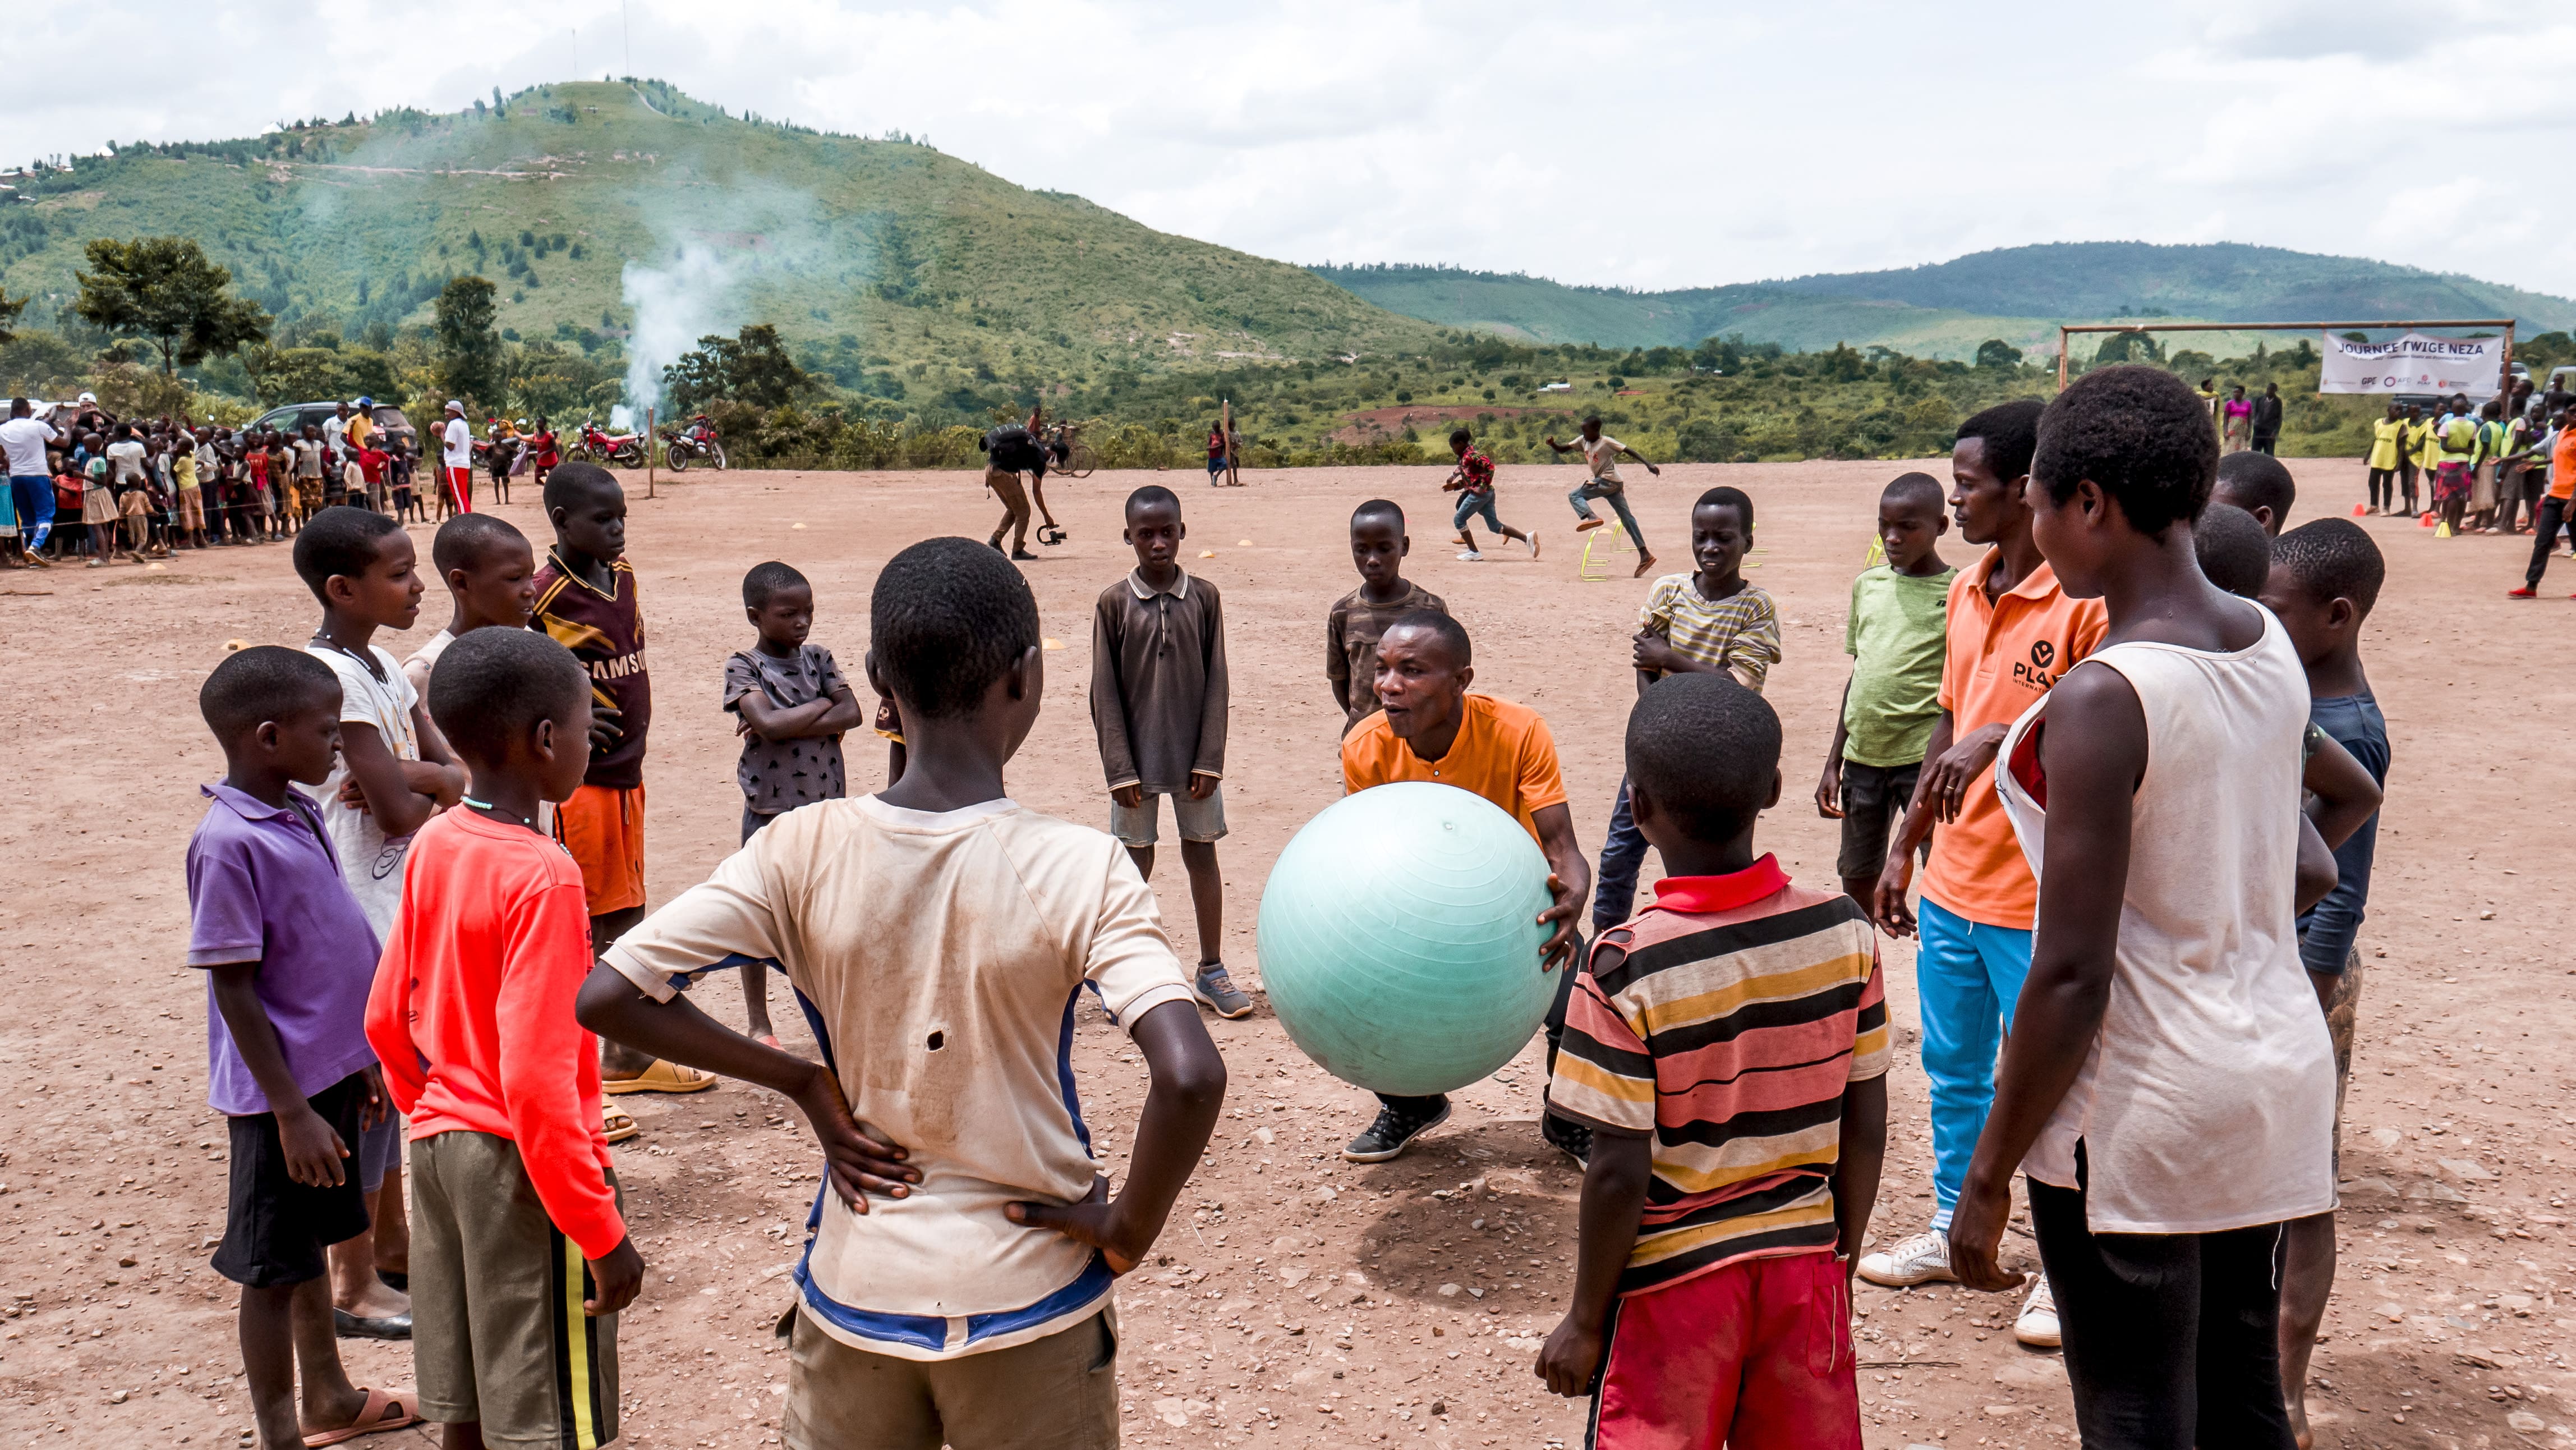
[{"x": 291, "y": 418}]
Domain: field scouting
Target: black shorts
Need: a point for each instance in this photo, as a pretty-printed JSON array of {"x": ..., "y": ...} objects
[
  {"x": 275, "y": 1228},
  {"x": 1020, "y": 458},
  {"x": 1874, "y": 800}
]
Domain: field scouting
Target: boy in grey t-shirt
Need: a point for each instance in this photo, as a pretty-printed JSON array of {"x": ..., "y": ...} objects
[{"x": 792, "y": 707}]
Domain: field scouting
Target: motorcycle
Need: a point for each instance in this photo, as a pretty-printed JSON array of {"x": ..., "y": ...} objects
[
  {"x": 624, "y": 450},
  {"x": 694, "y": 443}
]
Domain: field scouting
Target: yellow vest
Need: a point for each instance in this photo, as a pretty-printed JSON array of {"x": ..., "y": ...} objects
[
  {"x": 2418, "y": 438},
  {"x": 2383, "y": 442}
]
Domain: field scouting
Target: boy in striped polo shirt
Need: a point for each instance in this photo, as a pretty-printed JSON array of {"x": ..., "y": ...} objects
[
  {"x": 1728, "y": 1048},
  {"x": 1707, "y": 620}
]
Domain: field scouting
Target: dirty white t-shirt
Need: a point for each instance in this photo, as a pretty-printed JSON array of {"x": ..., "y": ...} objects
[
  {"x": 1601, "y": 455},
  {"x": 371, "y": 860}
]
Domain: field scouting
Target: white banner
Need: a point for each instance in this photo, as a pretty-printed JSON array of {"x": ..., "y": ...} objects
[{"x": 2413, "y": 364}]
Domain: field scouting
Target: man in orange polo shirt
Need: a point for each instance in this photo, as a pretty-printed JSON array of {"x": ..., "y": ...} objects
[
  {"x": 1431, "y": 729},
  {"x": 2012, "y": 635}
]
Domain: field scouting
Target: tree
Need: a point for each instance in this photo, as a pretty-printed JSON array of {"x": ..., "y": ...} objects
[
  {"x": 10, "y": 307},
  {"x": 162, "y": 290},
  {"x": 1994, "y": 352},
  {"x": 469, "y": 347},
  {"x": 750, "y": 367}
]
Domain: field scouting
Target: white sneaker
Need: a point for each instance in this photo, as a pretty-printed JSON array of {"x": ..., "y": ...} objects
[
  {"x": 2036, "y": 1325},
  {"x": 1922, "y": 1259},
  {"x": 1532, "y": 541},
  {"x": 1471, "y": 557}
]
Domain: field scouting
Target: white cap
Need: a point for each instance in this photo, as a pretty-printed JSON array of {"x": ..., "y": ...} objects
[
  {"x": 89, "y": 397},
  {"x": 456, "y": 407}
]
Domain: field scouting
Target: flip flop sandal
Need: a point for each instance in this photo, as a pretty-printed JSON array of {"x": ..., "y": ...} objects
[
  {"x": 615, "y": 1124},
  {"x": 346, "y": 1325},
  {"x": 395, "y": 1410},
  {"x": 661, "y": 1077}
]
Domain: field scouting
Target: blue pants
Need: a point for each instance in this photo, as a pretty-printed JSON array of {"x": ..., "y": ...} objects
[
  {"x": 34, "y": 496},
  {"x": 1582, "y": 498},
  {"x": 1614, "y": 892},
  {"x": 1968, "y": 976},
  {"x": 1472, "y": 504}
]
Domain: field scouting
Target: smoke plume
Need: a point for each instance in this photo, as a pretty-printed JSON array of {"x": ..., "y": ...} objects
[{"x": 674, "y": 305}]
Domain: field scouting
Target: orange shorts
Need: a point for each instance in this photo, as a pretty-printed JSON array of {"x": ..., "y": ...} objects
[{"x": 604, "y": 830}]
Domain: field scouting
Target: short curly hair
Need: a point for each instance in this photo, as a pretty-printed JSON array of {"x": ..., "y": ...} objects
[
  {"x": 947, "y": 618},
  {"x": 2333, "y": 559},
  {"x": 2140, "y": 434},
  {"x": 1706, "y": 750},
  {"x": 2009, "y": 431}
]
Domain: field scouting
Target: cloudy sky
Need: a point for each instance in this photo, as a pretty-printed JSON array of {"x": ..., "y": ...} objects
[{"x": 1652, "y": 144}]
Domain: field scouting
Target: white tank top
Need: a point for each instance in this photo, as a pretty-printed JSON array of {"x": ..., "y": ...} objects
[{"x": 2207, "y": 1100}]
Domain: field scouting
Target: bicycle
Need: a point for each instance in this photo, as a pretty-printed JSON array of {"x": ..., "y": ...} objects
[{"x": 1072, "y": 457}]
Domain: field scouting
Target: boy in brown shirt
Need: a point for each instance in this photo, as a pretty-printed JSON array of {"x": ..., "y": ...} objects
[
  {"x": 1158, "y": 701},
  {"x": 1359, "y": 619}
]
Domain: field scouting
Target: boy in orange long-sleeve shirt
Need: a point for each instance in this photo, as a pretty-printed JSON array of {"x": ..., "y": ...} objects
[{"x": 473, "y": 1004}]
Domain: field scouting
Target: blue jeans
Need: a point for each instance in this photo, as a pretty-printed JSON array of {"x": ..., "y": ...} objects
[
  {"x": 1968, "y": 978},
  {"x": 34, "y": 496},
  {"x": 1471, "y": 504},
  {"x": 1614, "y": 892},
  {"x": 1618, "y": 495}
]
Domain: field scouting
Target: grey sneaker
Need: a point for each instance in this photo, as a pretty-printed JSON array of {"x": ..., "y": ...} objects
[
  {"x": 1392, "y": 1132},
  {"x": 1213, "y": 987},
  {"x": 2036, "y": 1325}
]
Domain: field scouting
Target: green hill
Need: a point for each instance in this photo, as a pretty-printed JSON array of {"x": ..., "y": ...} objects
[
  {"x": 2019, "y": 294},
  {"x": 636, "y": 210}
]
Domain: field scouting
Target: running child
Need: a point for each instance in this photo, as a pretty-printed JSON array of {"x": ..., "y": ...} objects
[
  {"x": 1896, "y": 637},
  {"x": 791, "y": 706},
  {"x": 586, "y": 600},
  {"x": 520, "y": 1257},
  {"x": 2551, "y": 514},
  {"x": 2166, "y": 953},
  {"x": 287, "y": 956},
  {"x": 971, "y": 1301},
  {"x": 1158, "y": 706},
  {"x": 1473, "y": 481},
  {"x": 2012, "y": 632},
  {"x": 1357, "y": 620},
  {"x": 1728, "y": 1050},
  {"x": 1601, "y": 454},
  {"x": 2324, "y": 580},
  {"x": 1709, "y": 620},
  {"x": 491, "y": 578}
]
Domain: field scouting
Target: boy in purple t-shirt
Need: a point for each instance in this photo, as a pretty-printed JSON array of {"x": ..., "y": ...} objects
[{"x": 289, "y": 958}]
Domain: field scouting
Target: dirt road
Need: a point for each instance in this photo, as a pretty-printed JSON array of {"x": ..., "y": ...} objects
[{"x": 1296, "y": 1300}]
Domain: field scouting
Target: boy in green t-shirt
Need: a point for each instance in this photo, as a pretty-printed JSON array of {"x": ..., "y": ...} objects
[{"x": 1898, "y": 633}]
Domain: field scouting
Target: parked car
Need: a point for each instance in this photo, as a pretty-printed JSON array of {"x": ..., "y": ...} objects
[{"x": 291, "y": 419}]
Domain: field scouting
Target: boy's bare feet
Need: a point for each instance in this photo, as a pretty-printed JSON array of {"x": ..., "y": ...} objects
[{"x": 1645, "y": 561}]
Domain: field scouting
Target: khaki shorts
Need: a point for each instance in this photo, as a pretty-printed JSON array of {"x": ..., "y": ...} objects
[
  {"x": 497, "y": 1329},
  {"x": 192, "y": 508},
  {"x": 1142, "y": 826},
  {"x": 1056, "y": 1393}
]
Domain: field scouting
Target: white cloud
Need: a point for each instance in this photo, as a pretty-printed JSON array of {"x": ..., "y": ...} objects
[{"x": 1659, "y": 144}]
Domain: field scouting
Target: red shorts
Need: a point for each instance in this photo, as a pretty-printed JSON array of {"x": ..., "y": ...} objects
[
  {"x": 460, "y": 483},
  {"x": 1756, "y": 1354},
  {"x": 603, "y": 828}
]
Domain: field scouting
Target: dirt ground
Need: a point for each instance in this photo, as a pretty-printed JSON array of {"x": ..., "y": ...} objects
[{"x": 1296, "y": 1300}]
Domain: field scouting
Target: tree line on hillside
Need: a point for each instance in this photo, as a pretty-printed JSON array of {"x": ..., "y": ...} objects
[{"x": 158, "y": 328}]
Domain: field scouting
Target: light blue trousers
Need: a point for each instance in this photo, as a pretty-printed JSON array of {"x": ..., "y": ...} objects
[{"x": 1968, "y": 976}]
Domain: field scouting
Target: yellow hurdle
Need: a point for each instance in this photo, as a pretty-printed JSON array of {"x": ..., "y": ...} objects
[{"x": 1596, "y": 564}]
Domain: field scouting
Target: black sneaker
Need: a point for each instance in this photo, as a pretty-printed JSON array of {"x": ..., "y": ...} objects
[
  {"x": 1394, "y": 1130},
  {"x": 1571, "y": 1139},
  {"x": 1213, "y": 987}
]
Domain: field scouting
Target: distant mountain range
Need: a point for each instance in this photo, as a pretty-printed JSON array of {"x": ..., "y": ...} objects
[{"x": 2019, "y": 294}]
